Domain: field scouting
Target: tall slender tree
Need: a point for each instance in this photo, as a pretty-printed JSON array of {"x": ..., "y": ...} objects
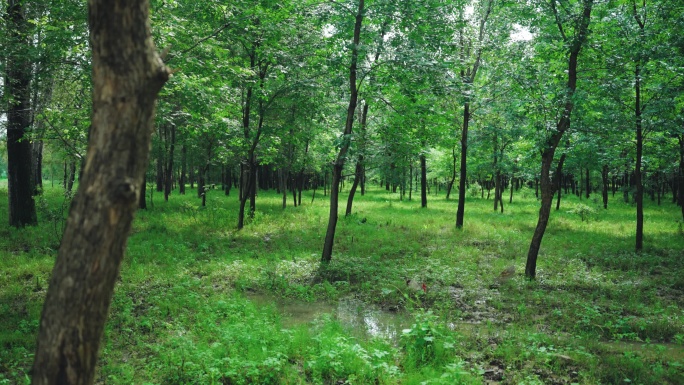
[
  {"x": 573, "y": 33},
  {"x": 338, "y": 165}
]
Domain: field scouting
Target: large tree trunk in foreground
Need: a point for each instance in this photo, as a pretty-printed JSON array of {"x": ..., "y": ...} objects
[
  {"x": 127, "y": 75},
  {"x": 547, "y": 186},
  {"x": 22, "y": 207},
  {"x": 338, "y": 166}
]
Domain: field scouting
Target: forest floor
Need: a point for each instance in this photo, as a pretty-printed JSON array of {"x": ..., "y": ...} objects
[{"x": 199, "y": 302}]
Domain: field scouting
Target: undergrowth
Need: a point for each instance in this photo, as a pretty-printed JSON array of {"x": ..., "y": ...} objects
[{"x": 183, "y": 313}]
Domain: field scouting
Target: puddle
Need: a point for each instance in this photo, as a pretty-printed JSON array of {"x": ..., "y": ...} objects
[
  {"x": 370, "y": 321},
  {"x": 364, "y": 319}
]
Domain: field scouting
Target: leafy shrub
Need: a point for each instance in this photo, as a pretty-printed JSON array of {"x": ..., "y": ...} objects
[
  {"x": 584, "y": 211},
  {"x": 426, "y": 342}
]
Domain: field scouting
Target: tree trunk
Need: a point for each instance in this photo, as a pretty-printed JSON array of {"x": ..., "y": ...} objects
[
  {"x": 168, "y": 178},
  {"x": 338, "y": 166},
  {"x": 37, "y": 152},
  {"x": 680, "y": 187},
  {"x": 358, "y": 173},
  {"x": 183, "y": 175},
  {"x": 127, "y": 75},
  {"x": 229, "y": 180},
  {"x": 463, "y": 172},
  {"x": 423, "y": 181},
  {"x": 639, "y": 196},
  {"x": 245, "y": 187},
  {"x": 72, "y": 176},
  {"x": 142, "y": 201},
  {"x": 283, "y": 186},
  {"x": 563, "y": 125},
  {"x": 22, "y": 207},
  {"x": 160, "y": 171},
  {"x": 587, "y": 180},
  {"x": 558, "y": 178},
  {"x": 604, "y": 179}
]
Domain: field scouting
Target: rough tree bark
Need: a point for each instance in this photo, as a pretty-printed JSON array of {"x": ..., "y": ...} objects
[
  {"x": 127, "y": 75},
  {"x": 547, "y": 186},
  {"x": 22, "y": 207},
  {"x": 338, "y": 166}
]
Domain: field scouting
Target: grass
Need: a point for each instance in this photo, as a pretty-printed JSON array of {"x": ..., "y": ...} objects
[{"x": 598, "y": 312}]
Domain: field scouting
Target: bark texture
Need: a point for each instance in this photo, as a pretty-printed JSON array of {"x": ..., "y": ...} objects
[
  {"x": 22, "y": 207},
  {"x": 127, "y": 76}
]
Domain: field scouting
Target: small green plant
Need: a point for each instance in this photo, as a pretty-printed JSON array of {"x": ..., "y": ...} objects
[
  {"x": 426, "y": 342},
  {"x": 585, "y": 212}
]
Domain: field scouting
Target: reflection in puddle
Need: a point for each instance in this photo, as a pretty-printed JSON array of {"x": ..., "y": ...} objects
[
  {"x": 364, "y": 319},
  {"x": 367, "y": 320}
]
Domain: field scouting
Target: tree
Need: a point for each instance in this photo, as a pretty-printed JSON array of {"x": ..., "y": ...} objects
[
  {"x": 573, "y": 34},
  {"x": 22, "y": 207},
  {"x": 470, "y": 56},
  {"x": 127, "y": 75},
  {"x": 338, "y": 165}
]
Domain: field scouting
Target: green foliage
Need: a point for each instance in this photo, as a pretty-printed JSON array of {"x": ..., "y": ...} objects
[
  {"x": 583, "y": 211},
  {"x": 427, "y": 342},
  {"x": 178, "y": 315}
]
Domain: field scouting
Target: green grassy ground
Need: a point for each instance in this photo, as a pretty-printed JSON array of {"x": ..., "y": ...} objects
[{"x": 598, "y": 312}]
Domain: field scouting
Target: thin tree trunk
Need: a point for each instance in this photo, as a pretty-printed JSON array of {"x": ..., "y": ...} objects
[
  {"x": 563, "y": 125},
  {"x": 639, "y": 196},
  {"x": 168, "y": 178},
  {"x": 142, "y": 201},
  {"x": 587, "y": 180},
  {"x": 453, "y": 173},
  {"x": 423, "y": 181},
  {"x": 160, "y": 172},
  {"x": 72, "y": 176},
  {"x": 127, "y": 75},
  {"x": 338, "y": 166},
  {"x": 559, "y": 179},
  {"x": 411, "y": 180},
  {"x": 604, "y": 178},
  {"x": 680, "y": 187},
  {"x": 229, "y": 179},
  {"x": 358, "y": 173},
  {"x": 37, "y": 152},
  {"x": 463, "y": 172}
]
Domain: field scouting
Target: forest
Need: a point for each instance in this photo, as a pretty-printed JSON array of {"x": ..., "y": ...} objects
[{"x": 342, "y": 192}]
